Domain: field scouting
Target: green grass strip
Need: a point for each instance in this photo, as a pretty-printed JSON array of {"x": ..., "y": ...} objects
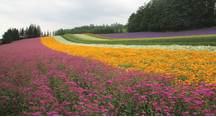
[{"x": 184, "y": 40}]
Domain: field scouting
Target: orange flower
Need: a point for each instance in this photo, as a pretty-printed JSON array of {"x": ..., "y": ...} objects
[{"x": 193, "y": 66}]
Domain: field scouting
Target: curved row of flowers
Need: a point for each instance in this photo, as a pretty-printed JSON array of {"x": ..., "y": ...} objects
[
  {"x": 84, "y": 36},
  {"x": 169, "y": 47},
  {"x": 189, "y": 66},
  {"x": 36, "y": 80}
]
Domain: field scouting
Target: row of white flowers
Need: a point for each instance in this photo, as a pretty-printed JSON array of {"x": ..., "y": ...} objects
[
  {"x": 170, "y": 47},
  {"x": 84, "y": 36}
]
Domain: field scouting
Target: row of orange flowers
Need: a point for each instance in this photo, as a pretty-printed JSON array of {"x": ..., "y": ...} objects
[{"x": 190, "y": 66}]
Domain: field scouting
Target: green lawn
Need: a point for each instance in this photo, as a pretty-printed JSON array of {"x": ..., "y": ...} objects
[{"x": 189, "y": 40}]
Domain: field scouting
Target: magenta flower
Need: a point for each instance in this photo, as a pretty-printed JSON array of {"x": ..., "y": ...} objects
[
  {"x": 158, "y": 109},
  {"x": 42, "y": 102},
  {"x": 30, "y": 102},
  {"x": 109, "y": 82},
  {"x": 103, "y": 102},
  {"x": 111, "y": 106},
  {"x": 81, "y": 103},
  {"x": 143, "y": 112},
  {"x": 104, "y": 110},
  {"x": 36, "y": 114},
  {"x": 172, "y": 102}
]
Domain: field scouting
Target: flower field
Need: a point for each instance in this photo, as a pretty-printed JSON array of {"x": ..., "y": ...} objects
[
  {"x": 51, "y": 76},
  {"x": 194, "y": 40},
  {"x": 191, "y": 66},
  {"x": 169, "y": 47},
  {"x": 210, "y": 31}
]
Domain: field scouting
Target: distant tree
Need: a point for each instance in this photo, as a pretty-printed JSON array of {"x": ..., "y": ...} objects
[
  {"x": 33, "y": 31},
  {"x": 48, "y": 34},
  {"x": 26, "y": 32},
  {"x": 44, "y": 34},
  {"x": 113, "y": 28},
  {"x": 10, "y": 35},
  {"x": 15, "y": 34},
  {"x": 53, "y": 33},
  {"x": 22, "y": 33},
  {"x": 30, "y": 32}
]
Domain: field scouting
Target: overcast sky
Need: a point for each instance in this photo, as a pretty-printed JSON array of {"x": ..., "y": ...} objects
[{"x": 55, "y": 14}]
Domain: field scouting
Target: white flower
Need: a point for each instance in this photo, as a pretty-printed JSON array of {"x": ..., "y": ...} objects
[{"x": 169, "y": 47}]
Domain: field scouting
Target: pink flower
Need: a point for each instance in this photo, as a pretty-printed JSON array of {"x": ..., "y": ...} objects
[
  {"x": 104, "y": 102},
  {"x": 81, "y": 103},
  {"x": 109, "y": 82},
  {"x": 172, "y": 102},
  {"x": 43, "y": 109},
  {"x": 195, "y": 113},
  {"x": 143, "y": 112},
  {"x": 42, "y": 102},
  {"x": 111, "y": 106},
  {"x": 69, "y": 113},
  {"x": 36, "y": 114},
  {"x": 14, "y": 100},
  {"x": 104, "y": 110},
  {"x": 158, "y": 109}
]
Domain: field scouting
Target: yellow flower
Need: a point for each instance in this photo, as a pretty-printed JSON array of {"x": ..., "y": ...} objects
[{"x": 191, "y": 66}]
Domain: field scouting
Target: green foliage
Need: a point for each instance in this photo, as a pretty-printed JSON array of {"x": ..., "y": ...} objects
[
  {"x": 190, "y": 40},
  {"x": 173, "y": 15},
  {"x": 33, "y": 31},
  {"x": 10, "y": 35},
  {"x": 113, "y": 28},
  {"x": 14, "y": 34}
]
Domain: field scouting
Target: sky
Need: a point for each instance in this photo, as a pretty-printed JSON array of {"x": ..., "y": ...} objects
[{"x": 52, "y": 15}]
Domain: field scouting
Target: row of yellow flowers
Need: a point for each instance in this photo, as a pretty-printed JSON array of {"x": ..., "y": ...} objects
[{"x": 191, "y": 66}]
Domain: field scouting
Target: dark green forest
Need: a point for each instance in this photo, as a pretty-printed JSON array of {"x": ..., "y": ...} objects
[
  {"x": 15, "y": 34},
  {"x": 102, "y": 29},
  {"x": 173, "y": 15},
  {"x": 159, "y": 15}
]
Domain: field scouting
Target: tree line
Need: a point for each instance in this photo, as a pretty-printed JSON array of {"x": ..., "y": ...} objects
[
  {"x": 14, "y": 34},
  {"x": 102, "y": 29},
  {"x": 173, "y": 15}
]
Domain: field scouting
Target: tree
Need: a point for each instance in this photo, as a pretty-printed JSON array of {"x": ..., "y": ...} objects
[
  {"x": 10, "y": 35},
  {"x": 22, "y": 33},
  {"x": 131, "y": 23},
  {"x": 173, "y": 15}
]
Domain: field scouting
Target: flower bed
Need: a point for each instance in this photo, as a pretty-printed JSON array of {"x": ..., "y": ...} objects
[
  {"x": 211, "y": 31},
  {"x": 38, "y": 81}
]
